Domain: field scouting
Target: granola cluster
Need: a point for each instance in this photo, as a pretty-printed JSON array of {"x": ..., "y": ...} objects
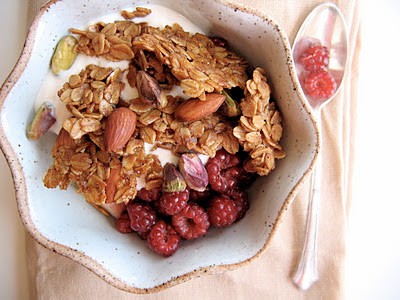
[
  {"x": 172, "y": 57},
  {"x": 160, "y": 128},
  {"x": 195, "y": 61},
  {"x": 89, "y": 96},
  {"x": 260, "y": 128},
  {"x": 80, "y": 155},
  {"x": 199, "y": 65}
]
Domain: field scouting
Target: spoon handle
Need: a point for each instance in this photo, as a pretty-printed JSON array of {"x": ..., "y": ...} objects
[{"x": 306, "y": 273}]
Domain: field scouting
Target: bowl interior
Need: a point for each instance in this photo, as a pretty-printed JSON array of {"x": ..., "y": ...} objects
[{"x": 63, "y": 221}]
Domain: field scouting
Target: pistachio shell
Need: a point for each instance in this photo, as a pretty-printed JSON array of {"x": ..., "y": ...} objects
[
  {"x": 64, "y": 54},
  {"x": 193, "y": 171},
  {"x": 230, "y": 108},
  {"x": 43, "y": 120},
  {"x": 173, "y": 180},
  {"x": 150, "y": 92}
]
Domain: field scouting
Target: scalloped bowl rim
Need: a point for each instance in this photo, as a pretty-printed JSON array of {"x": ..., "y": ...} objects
[{"x": 86, "y": 261}]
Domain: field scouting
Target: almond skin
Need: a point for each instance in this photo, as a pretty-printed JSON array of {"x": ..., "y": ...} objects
[
  {"x": 65, "y": 140},
  {"x": 195, "y": 109},
  {"x": 114, "y": 209},
  {"x": 120, "y": 125},
  {"x": 111, "y": 184}
]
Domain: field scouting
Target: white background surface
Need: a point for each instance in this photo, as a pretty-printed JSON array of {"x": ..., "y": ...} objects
[
  {"x": 373, "y": 259},
  {"x": 373, "y": 265}
]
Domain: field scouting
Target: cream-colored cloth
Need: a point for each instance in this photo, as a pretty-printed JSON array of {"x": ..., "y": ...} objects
[{"x": 55, "y": 277}]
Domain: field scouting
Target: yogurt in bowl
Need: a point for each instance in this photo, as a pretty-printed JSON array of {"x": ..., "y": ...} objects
[
  {"x": 91, "y": 239},
  {"x": 161, "y": 16}
]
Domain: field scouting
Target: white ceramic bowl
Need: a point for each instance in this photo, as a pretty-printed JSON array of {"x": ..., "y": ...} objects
[{"x": 63, "y": 222}]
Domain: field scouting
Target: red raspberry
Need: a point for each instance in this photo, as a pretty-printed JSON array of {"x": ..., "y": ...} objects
[
  {"x": 142, "y": 216},
  {"x": 227, "y": 160},
  {"x": 201, "y": 198},
  {"x": 215, "y": 179},
  {"x": 320, "y": 85},
  {"x": 163, "y": 239},
  {"x": 149, "y": 196},
  {"x": 143, "y": 235},
  {"x": 222, "y": 211},
  {"x": 315, "y": 58},
  {"x": 123, "y": 224},
  {"x": 238, "y": 177},
  {"x": 216, "y": 170},
  {"x": 241, "y": 203},
  {"x": 172, "y": 203},
  {"x": 191, "y": 222}
]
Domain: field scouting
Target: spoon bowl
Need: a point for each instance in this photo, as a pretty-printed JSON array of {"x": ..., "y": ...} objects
[{"x": 324, "y": 27}]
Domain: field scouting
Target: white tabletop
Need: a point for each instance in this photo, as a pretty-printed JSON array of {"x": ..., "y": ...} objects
[{"x": 373, "y": 257}]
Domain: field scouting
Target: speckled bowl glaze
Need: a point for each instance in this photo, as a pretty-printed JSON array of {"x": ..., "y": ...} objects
[{"x": 64, "y": 223}]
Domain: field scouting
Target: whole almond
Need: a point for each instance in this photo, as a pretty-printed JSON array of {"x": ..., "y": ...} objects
[
  {"x": 111, "y": 183},
  {"x": 65, "y": 140},
  {"x": 114, "y": 209},
  {"x": 195, "y": 109},
  {"x": 120, "y": 125}
]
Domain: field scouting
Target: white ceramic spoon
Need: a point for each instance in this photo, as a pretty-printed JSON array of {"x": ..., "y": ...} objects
[{"x": 324, "y": 26}]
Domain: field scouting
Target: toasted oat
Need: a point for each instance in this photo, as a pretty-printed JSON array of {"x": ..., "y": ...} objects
[
  {"x": 91, "y": 96},
  {"x": 88, "y": 165},
  {"x": 260, "y": 128},
  {"x": 113, "y": 41},
  {"x": 172, "y": 57},
  {"x": 172, "y": 54},
  {"x": 194, "y": 60},
  {"x": 138, "y": 12}
]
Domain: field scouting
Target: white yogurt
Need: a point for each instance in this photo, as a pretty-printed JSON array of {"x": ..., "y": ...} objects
[
  {"x": 53, "y": 83},
  {"x": 164, "y": 156},
  {"x": 167, "y": 156},
  {"x": 128, "y": 92},
  {"x": 159, "y": 17}
]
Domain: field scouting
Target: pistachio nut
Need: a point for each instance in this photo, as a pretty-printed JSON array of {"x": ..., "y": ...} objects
[
  {"x": 173, "y": 180},
  {"x": 193, "y": 171},
  {"x": 42, "y": 121},
  {"x": 64, "y": 55},
  {"x": 230, "y": 108},
  {"x": 149, "y": 90}
]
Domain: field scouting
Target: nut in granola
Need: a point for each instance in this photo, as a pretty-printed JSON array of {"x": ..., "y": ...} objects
[
  {"x": 193, "y": 171},
  {"x": 173, "y": 180},
  {"x": 120, "y": 126},
  {"x": 64, "y": 54},
  {"x": 195, "y": 109},
  {"x": 112, "y": 183},
  {"x": 42, "y": 121},
  {"x": 150, "y": 92}
]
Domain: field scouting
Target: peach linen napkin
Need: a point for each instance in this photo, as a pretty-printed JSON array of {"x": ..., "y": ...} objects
[{"x": 53, "y": 276}]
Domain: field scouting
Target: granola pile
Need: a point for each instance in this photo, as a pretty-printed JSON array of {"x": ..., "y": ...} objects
[{"x": 159, "y": 59}]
